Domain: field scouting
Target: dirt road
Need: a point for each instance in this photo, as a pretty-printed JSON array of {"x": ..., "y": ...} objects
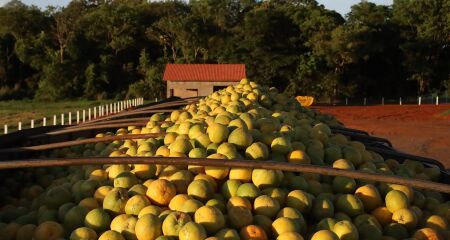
[{"x": 419, "y": 130}]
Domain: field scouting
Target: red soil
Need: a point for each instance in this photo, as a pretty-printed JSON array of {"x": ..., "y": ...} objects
[{"x": 419, "y": 130}]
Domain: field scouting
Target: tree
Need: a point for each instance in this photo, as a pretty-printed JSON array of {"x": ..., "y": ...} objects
[
  {"x": 151, "y": 85},
  {"x": 425, "y": 42}
]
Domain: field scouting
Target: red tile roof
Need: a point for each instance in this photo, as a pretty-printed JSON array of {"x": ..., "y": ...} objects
[{"x": 204, "y": 72}]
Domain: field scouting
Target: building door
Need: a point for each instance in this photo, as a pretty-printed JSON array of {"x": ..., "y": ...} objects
[
  {"x": 217, "y": 88},
  {"x": 191, "y": 92}
]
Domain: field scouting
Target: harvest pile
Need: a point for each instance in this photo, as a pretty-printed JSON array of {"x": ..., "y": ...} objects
[{"x": 246, "y": 121}]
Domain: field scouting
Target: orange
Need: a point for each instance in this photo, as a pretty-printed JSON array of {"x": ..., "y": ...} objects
[
  {"x": 211, "y": 218},
  {"x": 383, "y": 215},
  {"x": 253, "y": 232},
  {"x": 161, "y": 191},
  {"x": 298, "y": 156},
  {"x": 427, "y": 234},
  {"x": 239, "y": 202},
  {"x": 177, "y": 202},
  {"x": 48, "y": 231},
  {"x": 148, "y": 227},
  {"x": 369, "y": 196}
]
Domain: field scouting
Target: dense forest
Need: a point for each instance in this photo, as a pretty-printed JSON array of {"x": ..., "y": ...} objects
[{"x": 98, "y": 49}]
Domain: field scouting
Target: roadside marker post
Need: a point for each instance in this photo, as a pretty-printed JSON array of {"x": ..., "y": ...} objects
[
  {"x": 70, "y": 118},
  {"x": 62, "y": 119},
  {"x": 44, "y": 121},
  {"x": 84, "y": 115},
  {"x": 19, "y": 126},
  {"x": 382, "y": 100},
  {"x": 54, "y": 120},
  {"x": 78, "y": 117},
  {"x": 400, "y": 101},
  {"x": 420, "y": 101},
  {"x": 32, "y": 123},
  {"x": 437, "y": 100},
  {"x": 89, "y": 114},
  {"x": 6, "y": 129}
]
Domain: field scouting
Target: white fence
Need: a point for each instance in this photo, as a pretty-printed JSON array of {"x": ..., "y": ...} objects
[
  {"x": 436, "y": 100},
  {"x": 81, "y": 116}
]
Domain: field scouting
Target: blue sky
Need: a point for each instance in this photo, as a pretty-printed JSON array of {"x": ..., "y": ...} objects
[{"x": 341, "y": 6}]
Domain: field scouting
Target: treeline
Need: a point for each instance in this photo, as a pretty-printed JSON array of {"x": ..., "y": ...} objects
[{"x": 100, "y": 49}]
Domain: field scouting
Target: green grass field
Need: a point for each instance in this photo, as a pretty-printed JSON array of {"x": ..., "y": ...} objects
[{"x": 12, "y": 112}]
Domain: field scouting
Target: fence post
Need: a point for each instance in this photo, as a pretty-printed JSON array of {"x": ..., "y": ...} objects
[
  {"x": 106, "y": 108},
  {"x": 400, "y": 101},
  {"x": 365, "y": 101},
  {"x": 78, "y": 116},
  {"x": 84, "y": 115},
  {"x": 89, "y": 114},
  {"x": 346, "y": 101},
  {"x": 437, "y": 100},
  {"x": 420, "y": 101},
  {"x": 44, "y": 121},
  {"x": 54, "y": 120},
  {"x": 382, "y": 100},
  {"x": 19, "y": 126},
  {"x": 32, "y": 123},
  {"x": 62, "y": 119},
  {"x": 6, "y": 129},
  {"x": 70, "y": 118}
]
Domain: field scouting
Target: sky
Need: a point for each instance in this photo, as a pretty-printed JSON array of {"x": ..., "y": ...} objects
[{"x": 340, "y": 6}]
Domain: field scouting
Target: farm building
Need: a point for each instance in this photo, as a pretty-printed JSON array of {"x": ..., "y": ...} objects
[{"x": 192, "y": 80}]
